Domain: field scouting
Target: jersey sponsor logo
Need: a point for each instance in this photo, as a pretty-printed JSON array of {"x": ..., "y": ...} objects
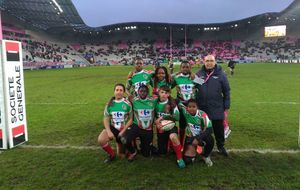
[
  {"x": 145, "y": 77},
  {"x": 160, "y": 114},
  {"x": 195, "y": 129},
  {"x": 186, "y": 91},
  {"x": 118, "y": 114},
  {"x": 124, "y": 107},
  {"x": 186, "y": 87},
  {"x": 138, "y": 84},
  {"x": 118, "y": 119},
  {"x": 145, "y": 114},
  {"x": 145, "y": 117}
]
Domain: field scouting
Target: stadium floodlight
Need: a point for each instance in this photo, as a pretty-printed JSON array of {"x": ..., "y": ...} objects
[{"x": 57, "y": 5}]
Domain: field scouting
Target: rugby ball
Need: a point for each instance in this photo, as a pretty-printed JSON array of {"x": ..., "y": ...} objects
[{"x": 167, "y": 125}]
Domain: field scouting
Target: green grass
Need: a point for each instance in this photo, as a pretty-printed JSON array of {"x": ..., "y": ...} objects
[{"x": 73, "y": 116}]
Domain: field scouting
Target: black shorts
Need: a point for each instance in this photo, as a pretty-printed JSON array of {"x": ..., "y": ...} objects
[
  {"x": 189, "y": 140},
  {"x": 163, "y": 140},
  {"x": 146, "y": 137},
  {"x": 208, "y": 144},
  {"x": 116, "y": 133}
]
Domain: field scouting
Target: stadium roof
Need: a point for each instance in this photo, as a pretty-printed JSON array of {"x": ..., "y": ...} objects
[
  {"x": 60, "y": 16},
  {"x": 107, "y": 12}
]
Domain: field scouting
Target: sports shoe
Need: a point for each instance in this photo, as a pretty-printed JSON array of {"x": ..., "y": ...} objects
[
  {"x": 109, "y": 159},
  {"x": 223, "y": 151},
  {"x": 181, "y": 163},
  {"x": 227, "y": 132},
  {"x": 131, "y": 156},
  {"x": 208, "y": 161}
]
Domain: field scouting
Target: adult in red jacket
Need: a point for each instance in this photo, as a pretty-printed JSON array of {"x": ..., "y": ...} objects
[{"x": 213, "y": 97}]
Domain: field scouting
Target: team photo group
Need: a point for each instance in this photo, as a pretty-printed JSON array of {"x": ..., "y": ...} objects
[{"x": 143, "y": 118}]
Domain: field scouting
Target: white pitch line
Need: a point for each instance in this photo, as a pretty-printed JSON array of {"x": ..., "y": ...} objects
[
  {"x": 265, "y": 151},
  {"x": 261, "y": 151},
  {"x": 60, "y": 147},
  {"x": 289, "y": 103},
  {"x": 61, "y": 103}
]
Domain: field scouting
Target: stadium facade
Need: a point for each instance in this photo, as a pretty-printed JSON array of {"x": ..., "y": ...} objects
[{"x": 54, "y": 35}]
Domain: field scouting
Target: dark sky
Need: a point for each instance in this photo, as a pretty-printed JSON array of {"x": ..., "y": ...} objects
[{"x": 105, "y": 12}]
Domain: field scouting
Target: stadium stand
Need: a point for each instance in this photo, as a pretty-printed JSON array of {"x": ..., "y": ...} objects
[{"x": 64, "y": 40}]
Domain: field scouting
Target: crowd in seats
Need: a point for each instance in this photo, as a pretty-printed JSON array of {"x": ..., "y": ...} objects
[
  {"x": 271, "y": 49},
  {"x": 40, "y": 53},
  {"x": 116, "y": 52},
  {"x": 264, "y": 50},
  {"x": 48, "y": 53}
]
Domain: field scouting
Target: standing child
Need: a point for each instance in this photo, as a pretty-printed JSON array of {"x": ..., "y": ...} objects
[
  {"x": 161, "y": 78},
  {"x": 137, "y": 78},
  {"x": 183, "y": 81}
]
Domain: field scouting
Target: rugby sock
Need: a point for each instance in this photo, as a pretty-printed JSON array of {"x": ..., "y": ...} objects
[
  {"x": 107, "y": 148},
  {"x": 177, "y": 149},
  {"x": 225, "y": 121}
]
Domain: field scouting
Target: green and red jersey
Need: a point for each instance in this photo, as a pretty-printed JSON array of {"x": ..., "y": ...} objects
[
  {"x": 185, "y": 87},
  {"x": 158, "y": 84},
  {"x": 195, "y": 123},
  {"x": 160, "y": 111},
  {"x": 138, "y": 79},
  {"x": 118, "y": 113},
  {"x": 143, "y": 110}
]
